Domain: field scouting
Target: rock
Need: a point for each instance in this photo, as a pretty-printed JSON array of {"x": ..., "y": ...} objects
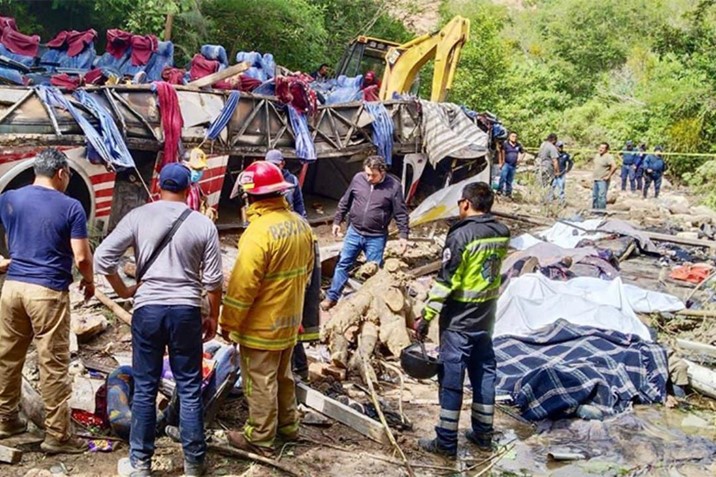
[
  {"x": 318, "y": 371},
  {"x": 315, "y": 419},
  {"x": 612, "y": 197},
  {"x": 130, "y": 269},
  {"x": 83, "y": 393},
  {"x": 704, "y": 210},
  {"x": 87, "y": 326},
  {"x": 38, "y": 473}
]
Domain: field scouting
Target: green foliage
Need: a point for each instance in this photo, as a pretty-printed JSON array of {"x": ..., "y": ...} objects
[{"x": 590, "y": 71}]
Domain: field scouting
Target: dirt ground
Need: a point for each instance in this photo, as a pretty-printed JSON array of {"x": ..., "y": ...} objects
[{"x": 651, "y": 440}]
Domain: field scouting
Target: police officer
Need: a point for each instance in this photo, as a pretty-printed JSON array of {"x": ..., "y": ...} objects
[
  {"x": 465, "y": 298},
  {"x": 654, "y": 167},
  {"x": 630, "y": 158},
  {"x": 639, "y": 167}
]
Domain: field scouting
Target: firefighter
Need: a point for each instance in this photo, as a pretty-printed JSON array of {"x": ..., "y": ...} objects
[
  {"x": 464, "y": 297},
  {"x": 264, "y": 305}
]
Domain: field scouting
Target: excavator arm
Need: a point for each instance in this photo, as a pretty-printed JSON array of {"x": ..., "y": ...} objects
[{"x": 403, "y": 62}]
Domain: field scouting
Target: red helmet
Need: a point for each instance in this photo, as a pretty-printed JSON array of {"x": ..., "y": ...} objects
[{"x": 262, "y": 178}]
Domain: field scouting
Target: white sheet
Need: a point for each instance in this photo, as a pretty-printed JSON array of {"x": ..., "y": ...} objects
[{"x": 533, "y": 301}]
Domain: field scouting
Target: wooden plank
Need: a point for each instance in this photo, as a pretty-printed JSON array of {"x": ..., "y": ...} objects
[
  {"x": 118, "y": 311},
  {"x": 341, "y": 413},
  {"x": 431, "y": 267},
  {"x": 697, "y": 313},
  {"x": 680, "y": 240},
  {"x": 697, "y": 347},
  {"x": 10, "y": 455},
  {"x": 208, "y": 80},
  {"x": 701, "y": 378}
]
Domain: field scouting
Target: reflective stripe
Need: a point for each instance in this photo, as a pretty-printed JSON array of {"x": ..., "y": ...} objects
[
  {"x": 494, "y": 243},
  {"x": 483, "y": 408},
  {"x": 234, "y": 303},
  {"x": 259, "y": 343},
  {"x": 469, "y": 296},
  {"x": 484, "y": 419},
  {"x": 449, "y": 425},
  {"x": 448, "y": 414},
  {"x": 296, "y": 272},
  {"x": 439, "y": 291},
  {"x": 433, "y": 308}
]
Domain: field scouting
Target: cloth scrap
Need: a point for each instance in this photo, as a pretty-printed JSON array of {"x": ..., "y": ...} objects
[
  {"x": 448, "y": 132},
  {"x": 172, "y": 121}
]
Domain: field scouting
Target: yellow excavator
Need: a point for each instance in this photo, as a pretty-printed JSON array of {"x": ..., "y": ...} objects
[{"x": 401, "y": 64}]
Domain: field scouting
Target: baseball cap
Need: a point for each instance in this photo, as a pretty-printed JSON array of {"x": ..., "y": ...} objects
[
  {"x": 559, "y": 144},
  {"x": 274, "y": 156},
  {"x": 174, "y": 177}
]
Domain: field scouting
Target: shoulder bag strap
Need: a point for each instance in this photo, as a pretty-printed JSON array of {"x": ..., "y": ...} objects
[{"x": 163, "y": 244}]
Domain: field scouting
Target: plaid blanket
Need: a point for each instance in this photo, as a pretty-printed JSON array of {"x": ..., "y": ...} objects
[{"x": 562, "y": 366}]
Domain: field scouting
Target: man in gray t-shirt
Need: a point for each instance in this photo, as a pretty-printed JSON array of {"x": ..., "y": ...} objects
[
  {"x": 547, "y": 160},
  {"x": 167, "y": 312}
]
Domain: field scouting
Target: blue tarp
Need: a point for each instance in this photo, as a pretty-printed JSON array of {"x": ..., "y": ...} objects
[
  {"x": 218, "y": 124},
  {"x": 562, "y": 366},
  {"x": 107, "y": 143},
  {"x": 305, "y": 149},
  {"x": 382, "y": 130}
]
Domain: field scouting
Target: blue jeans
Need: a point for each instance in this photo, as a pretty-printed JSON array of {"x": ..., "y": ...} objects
[
  {"x": 507, "y": 176},
  {"x": 558, "y": 185},
  {"x": 154, "y": 328},
  {"x": 656, "y": 179},
  {"x": 629, "y": 172},
  {"x": 353, "y": 244},
  {"x": 462, "y": 352},
  {"x": 599, "y": 194},
  {"x": 639, "y": 176}
]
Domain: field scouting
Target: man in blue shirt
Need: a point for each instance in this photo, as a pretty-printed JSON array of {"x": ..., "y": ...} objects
[
  {"x": 564, "y": 165},
  {"x": 509, "y": 157},
  {"x": 654, "y": 167},
  {"x": 294, "y": 196},
  {"x": 639, "y": 170},
  {"x": 46, "y": 230},
  {"x": 630, "y": 160}
]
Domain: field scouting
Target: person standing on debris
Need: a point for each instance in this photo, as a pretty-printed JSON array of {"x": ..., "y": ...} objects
[
  {"x": 630, "y": 161},
  {"x": 464, "y": 297},
  {"x": 178, "y": 256},
  {"x": 654, "y": 168},
  {"x": 547, "y": 161},
  {"x": 639, "y": 170},
  {"x": 509, "y": 157},
  {"x": 564, "y": 165},
  {"x": 373, "y": 198},
  {"x": 604, "y": 168},
  {"x": 264, "y": 304},
  {"x": 309, "y": 325},
  {"x": 45, "y": 230},
  {"x": 294, "y": 196}
]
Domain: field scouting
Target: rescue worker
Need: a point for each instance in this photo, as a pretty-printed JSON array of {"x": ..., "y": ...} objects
[
  {"x": 46, "y": 232},
  {"x": 464, "y": 297},
  {"x": 309, "y": 325},
  {"x": 373, "y": 198},
  {"x": 294, "y": 196},
  {"x": 547, "y": 162},
  {"x": 564, "y": 165},
  {"x": 654, "y": 168},
  {"x": 604, "y": 168},
  {"x": 639, "y": 173},
  {"x": 178, "y": 257},
  {"x": 509, "y": 157},
  {"x": 630, "y": 160},
  {"x": 263, "y": 307}
]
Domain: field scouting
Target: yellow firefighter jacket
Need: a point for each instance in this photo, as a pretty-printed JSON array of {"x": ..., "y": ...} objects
[{"x": 264, "y": 301}]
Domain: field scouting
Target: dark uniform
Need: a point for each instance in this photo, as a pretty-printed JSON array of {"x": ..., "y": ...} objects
[
  {"x": 465, "y": 298},
  {"x": 654, "y": 168}
]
